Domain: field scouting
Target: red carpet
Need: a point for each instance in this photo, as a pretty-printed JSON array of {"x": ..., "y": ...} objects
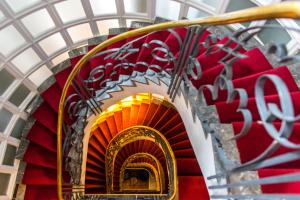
[{"x": 40, "y": 173}]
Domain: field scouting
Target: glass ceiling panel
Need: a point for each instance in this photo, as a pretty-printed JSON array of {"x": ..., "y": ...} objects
[
  {"x": 70, "y": 10},
  {"x": 26, "y": 60},
  {"x": 5, "y": 117},
  {"x": 19, "y": 95},
  {"x": 19, "y": 5},
  {"x": 101, "y": 7},
  {"x": 277, "y": 36},
  {"x": 195, "y": 13},
  {"x": 18, "y": 128},
  {"x": 9, "y": 156},
  {"x": 80, "y": 32},
  {"x": 58, "y": 59},
  {"x": 213, "y": 3},
  {"x": 10, "y": 40},
  {"x": 53, "y": 43},
  {"x": 38, "y": 22},
  {"x": 6, "y": 80},
  {"x": 239, "y": 5},
  {"x": 4, "y": 181},
  {"x": 135, "y": 6},
  {"x": 105, "y": 25},
  {"x": 168, "y": 9},
  {"x": 40, "y": 75}
]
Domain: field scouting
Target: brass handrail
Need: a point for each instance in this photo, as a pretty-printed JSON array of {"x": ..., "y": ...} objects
[{"x": 280, "y": 10}]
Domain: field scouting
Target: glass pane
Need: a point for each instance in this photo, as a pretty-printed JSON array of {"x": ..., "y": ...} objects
[
  {"x": 167, "y": 9},
  {"x": 19, "y": 5},
  {"x": 213, "y": 3},
  {"x": 26, "y": 60},
  {"x": 19, "y": 95},
  {"x": 4, "y": 181},
  {"x": 101, "y": 7},
  {"x": 10, "y": 40},
  {"x": 277, "y": 36},
  {"x": 239, "y": 5},
  {"x": 6, "y": 79},
  {"x": 53, "y": 43},
  {"x": 38, "y": 22},
  {"x": 70, "y": 10},
  {"x": 195, "y": 13},
  {"x": 105, "y": 25},
  {"x": 18, "y": 128},
  {"x": 135, "y": 6},
  {"x": 9, "y": 156},
  {"x": 5, "y": 117},
  {"x": 62, "y": 57},
  {"x": 40, "y": 75},
  {"x": 80, "y": 32}
]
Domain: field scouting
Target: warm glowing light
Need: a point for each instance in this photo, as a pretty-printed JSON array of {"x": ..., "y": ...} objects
[{"x": 128, "y": 102}]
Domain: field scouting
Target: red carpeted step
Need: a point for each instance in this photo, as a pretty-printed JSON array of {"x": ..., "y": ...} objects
[
  {"x": 35, "y": 154},
  {"x": 223, "y": 108},
  {"x": 192, "y": 188},
  {"x": 134, "y": 114},
  {"x": 240, "y": 68},
  {"x": 258, "y": 133},
  {"x": 165, "y": 118},
  {"x": 150, "y": 112},
  {"x": 112, "y": 125},
  {"x": 157, "y": 115},
  {"x": 46, "y": 116},
  {"x": 281, "y": 188},
  {"x": 118, "y": 118},
  {"x": 52, "y": 96},
  {"x": 40, "y": 192},
  {"x": 105, "y": 130},
  {"x": 188, "y": 167},
  {"x": 248, "y": 83},
  {"x": 125, "y": 117},
  {"x": 42, "y": 136},
  {"x": 36, "y": 175},
  {"x": 141, "y": 114}
]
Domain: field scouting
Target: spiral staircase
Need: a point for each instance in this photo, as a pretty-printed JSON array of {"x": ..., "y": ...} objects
[{"x": 40, "y": 135}]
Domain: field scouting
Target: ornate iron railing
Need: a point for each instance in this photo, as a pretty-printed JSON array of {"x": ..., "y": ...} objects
[{"x": 179, "y": 73}]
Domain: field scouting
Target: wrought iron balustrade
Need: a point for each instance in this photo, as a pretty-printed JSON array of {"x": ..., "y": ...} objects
[{"x": 180, "y": 71}]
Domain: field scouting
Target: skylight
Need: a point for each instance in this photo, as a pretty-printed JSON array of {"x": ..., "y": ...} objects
[
  {"x": 10, "y": 40},
  {"x": 53, "y": 43},
  {"x": 70, "y": 11},
  {"x": 135, "y": 6},
  {"x": 20, "y": 5},
  {"x": 38, "y": 22},
  {"x": 26, "y": 60},
  {"x": 80, "y": 32},
  {"x": 105, "y": 25},
  {"x": 40, "y": 75},
  {"x": 168, "y": 9},
  {"x": 102, "y": 7}
]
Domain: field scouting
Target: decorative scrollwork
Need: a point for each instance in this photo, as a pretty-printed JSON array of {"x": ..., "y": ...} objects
[{"x": 138, "y": 133}]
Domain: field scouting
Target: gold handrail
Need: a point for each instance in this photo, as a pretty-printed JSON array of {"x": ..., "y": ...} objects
[{"x": 281, "y": 10}]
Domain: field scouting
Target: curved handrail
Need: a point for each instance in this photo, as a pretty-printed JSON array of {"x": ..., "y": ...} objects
[{"x": 281, "y": 10}]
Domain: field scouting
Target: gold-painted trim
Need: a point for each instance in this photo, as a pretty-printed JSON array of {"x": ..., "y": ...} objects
[
  {"x": 281, "y": 10},
  {"x": 136, "y": 133},
  {"x": 131, "y": 158}
]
